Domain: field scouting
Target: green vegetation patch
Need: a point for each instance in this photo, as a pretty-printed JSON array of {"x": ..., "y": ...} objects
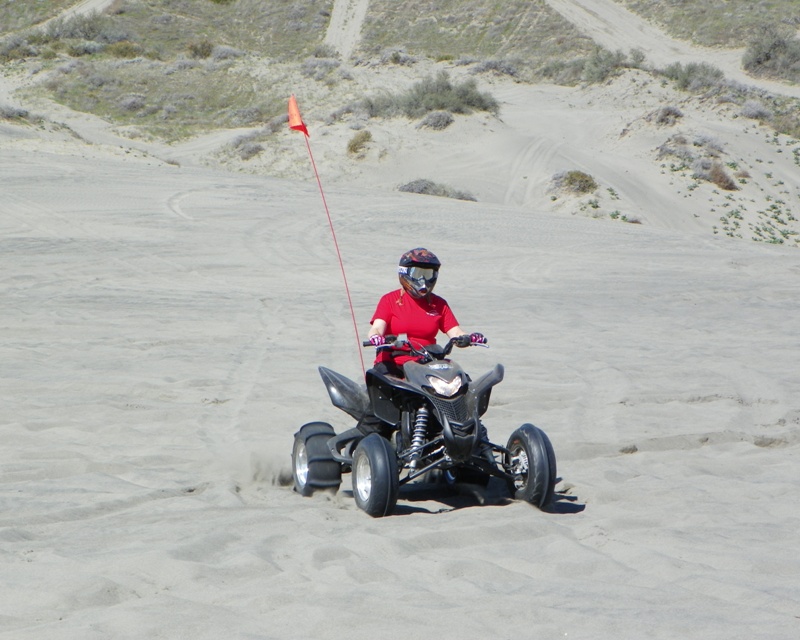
[
  {"x": 16, "y": 15},
  {"x": 714, "y": 23},
  {"x": 169, "y": 100},
  {"x": 433, "y": 94},
  {"x": 531, "y": 32}
]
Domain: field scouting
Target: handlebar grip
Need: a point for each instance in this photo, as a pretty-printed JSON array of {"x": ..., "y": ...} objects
[{"x": 389, "y": 341}]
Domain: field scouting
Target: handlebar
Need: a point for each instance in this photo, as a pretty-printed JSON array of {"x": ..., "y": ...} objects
[{"x": 402, "y": 343}]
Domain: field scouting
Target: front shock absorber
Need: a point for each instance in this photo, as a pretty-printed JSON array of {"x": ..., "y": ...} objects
[{"x": 419, "y": 435}]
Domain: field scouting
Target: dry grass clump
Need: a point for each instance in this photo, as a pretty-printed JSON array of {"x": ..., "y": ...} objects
[
  {"x": 429, "y": 188},
  {"x": 359, "y": 142},
  {"x": 713, "y": 171},
  {"x": 702, "y": 156},
  {"x": 665, "y": 116},
  {"x": 436, "y": 120},
  {"x": 755, "y": 110},
  {"x": 575, "y": 181}
]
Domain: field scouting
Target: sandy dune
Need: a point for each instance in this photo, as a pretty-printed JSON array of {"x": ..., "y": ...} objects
[{"x": 162, "y": 324}]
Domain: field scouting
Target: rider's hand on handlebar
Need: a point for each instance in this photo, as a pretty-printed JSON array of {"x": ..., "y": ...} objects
[
  {"x": 377, "y": 340},
  {"x": 478, "y": 338},
  {"x": 462, "y": 341}
]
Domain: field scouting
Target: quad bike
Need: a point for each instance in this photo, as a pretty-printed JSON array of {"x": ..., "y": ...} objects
[{"x": 433, "y": 430}]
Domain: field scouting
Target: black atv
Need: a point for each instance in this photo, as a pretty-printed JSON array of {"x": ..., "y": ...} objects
[{"x": 433, "y": 414}]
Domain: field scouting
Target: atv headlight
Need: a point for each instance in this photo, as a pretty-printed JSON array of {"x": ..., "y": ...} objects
[{"x": 444, "y": 388}]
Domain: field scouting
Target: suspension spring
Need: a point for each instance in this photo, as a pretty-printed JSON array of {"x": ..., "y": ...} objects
[{"x": 420, "y": 433}]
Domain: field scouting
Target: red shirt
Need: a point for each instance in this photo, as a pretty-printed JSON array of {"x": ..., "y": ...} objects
[{"x": 421, "y": 319}]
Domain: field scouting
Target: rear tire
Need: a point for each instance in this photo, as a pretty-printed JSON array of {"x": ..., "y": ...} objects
[
  {"x": 313, "y": 465},
  {"x": 375, "y": 477},
  {"x": 532, "y": 461}
]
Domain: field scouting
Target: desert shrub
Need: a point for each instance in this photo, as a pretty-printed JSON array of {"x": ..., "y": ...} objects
[
  {"x": 563, "y": 72},
  {"x": 575, "y": 181},
  {"x": 429, "y": 188},
  {"x": 436, "y": 120},
  {"x": 711, "y": 144},
  {"x": 666, "y": 116},
  {"x": 602, "y": 64},
  {"x": 720, "y": 177},
  {"x": 637, "y": 59},
  {"x": 788, "y": 123},
  {"x": 324, "y": 51},
  {"x": 124, "y": 49},
  {"x": 16, "y": 48},
  {"x": 713, "y": 171},
  {"x": 8, "y": 112},
  {"x": 319, "y": 68},
  {"x": 398, "y": 57},
  {"x": 359, "y": 142},
  {"x": 694, "y": 76},
  {"x": 247, "y": 116},
  {"x": 381, "y": 105},
  {"x": 249, "y": 150},
  {"x": 94, "y": 26},
  {"x": 497, "y": 67},
  {"x": 774, "y": 50},
  {"x": 440, "y": 94},
  {"x": 223, "y": 52},
  {"x": 132, "y": 102},
  {"x": 85, "y": 48},
  {"x": 201, "y": 48},
  {"x": 755, "y": 110},
  {"x": 278, "y": 123},
  {"x": 676, "y": 147},
  {"x": 431, "y": 94}
]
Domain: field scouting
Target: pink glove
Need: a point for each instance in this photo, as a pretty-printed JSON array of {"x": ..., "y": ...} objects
[
  {"x": 377, "y": 340},
  {"x": 478, "y": 338}
]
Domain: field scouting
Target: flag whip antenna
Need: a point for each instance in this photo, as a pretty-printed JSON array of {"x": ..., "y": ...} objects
[{"x": 296, "y": 123}]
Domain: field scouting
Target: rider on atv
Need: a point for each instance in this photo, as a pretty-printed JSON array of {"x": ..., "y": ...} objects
[{"x": 413, "y": 310}]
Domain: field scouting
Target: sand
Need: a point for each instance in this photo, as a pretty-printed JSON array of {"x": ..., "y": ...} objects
[{"x": 162, "y": 322}]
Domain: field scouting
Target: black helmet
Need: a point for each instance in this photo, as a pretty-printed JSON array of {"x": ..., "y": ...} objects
[{"x": 418, "y": 271}]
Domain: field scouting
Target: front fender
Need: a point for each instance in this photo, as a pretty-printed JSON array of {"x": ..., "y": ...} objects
[{"x": 480, "y": 390}]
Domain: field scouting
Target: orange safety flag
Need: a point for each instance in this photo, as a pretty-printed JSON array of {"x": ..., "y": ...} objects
[{"x": 295, "y": 121}]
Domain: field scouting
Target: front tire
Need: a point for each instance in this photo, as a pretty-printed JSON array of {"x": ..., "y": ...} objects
[
  {"x": 532, "y": 462},
  {"x": 313, "y": 465},
  {"x": 375, "y": 477}
]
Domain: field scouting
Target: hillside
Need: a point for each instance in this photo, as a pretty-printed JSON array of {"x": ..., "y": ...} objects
[{"x": 227, "y": 109}]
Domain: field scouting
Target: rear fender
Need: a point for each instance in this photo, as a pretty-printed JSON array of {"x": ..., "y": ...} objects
[{"x": 345, "y": 394}]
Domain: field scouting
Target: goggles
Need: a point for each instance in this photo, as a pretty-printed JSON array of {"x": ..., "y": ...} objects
[{"x": 419, "y": 273}]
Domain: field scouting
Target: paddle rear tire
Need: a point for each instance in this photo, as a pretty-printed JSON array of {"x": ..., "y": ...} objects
[{"x": 313, "y": 466}]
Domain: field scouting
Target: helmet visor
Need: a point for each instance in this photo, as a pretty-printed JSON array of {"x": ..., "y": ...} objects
[
  {"x": 419, "y": 281},
  {"x": 421, "y": 273}
]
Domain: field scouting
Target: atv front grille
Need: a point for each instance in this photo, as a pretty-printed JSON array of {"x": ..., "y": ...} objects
[{"x": 454, "y": 410}]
